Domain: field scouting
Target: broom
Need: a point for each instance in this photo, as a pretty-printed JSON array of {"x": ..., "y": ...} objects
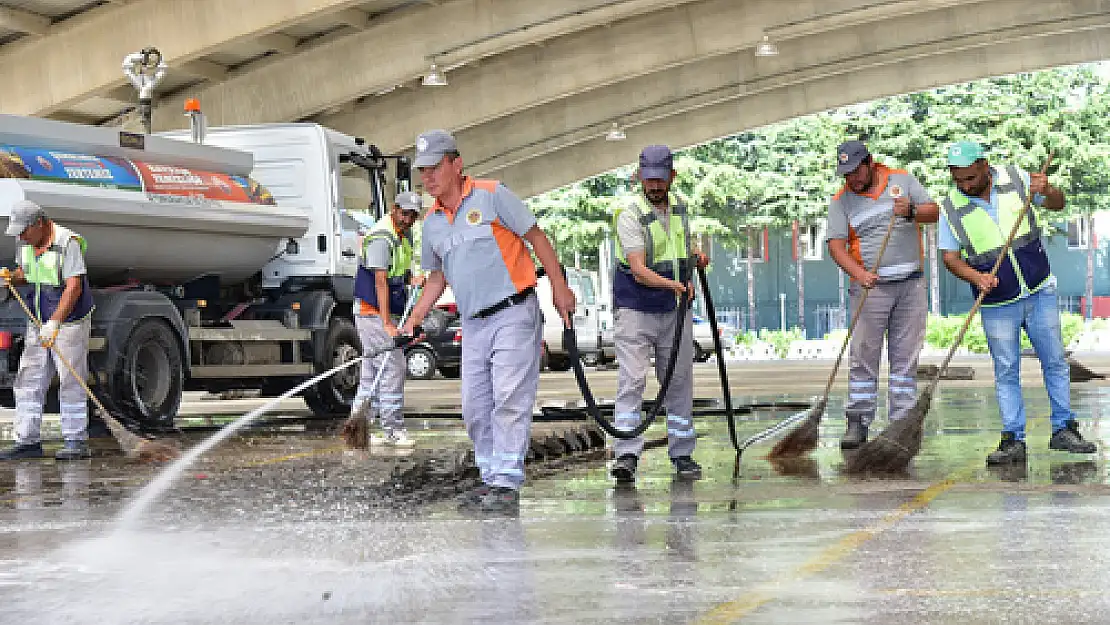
[
  {"x": 894, "y": 448},
  {"x": 804, "y": 438},
  {"x": 133, "y": 445}
]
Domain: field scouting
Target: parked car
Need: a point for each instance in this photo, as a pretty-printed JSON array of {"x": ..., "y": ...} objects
[
  {"x": 703, "y": 337},
  {"x": 438, "y": 352}
]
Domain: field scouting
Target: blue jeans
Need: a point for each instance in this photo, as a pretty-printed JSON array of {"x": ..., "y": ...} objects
[{"x": 1039, "y": 316}]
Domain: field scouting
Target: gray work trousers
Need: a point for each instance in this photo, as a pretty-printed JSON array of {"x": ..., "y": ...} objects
[
  {"x": 388, "y": 399},
  {"x": 500, "y": 378},
  {"x": 898, "y": 312},
  {"x": 36, "y": 369},
  {"x": 636, "y": 336}
]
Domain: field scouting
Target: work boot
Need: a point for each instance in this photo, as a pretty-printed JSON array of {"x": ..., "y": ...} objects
[
  {"x": 624, "y": 469},
  {"x": 360, "y": 409},
  {"x": 499, "y": 500},
  {"x": 21, "y": 451},
  {"x": 73, "y": 450},
  {"x": 686, "y": 469},
  {"x": 855, "y": 435},
  {"x": 1010, "y": 450},
  {"x": 1069, "y": 439},
  {"x": 470, "y": 499}
]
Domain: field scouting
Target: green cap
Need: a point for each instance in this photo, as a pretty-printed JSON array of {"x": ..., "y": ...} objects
[{"x": 964, "y": 153}]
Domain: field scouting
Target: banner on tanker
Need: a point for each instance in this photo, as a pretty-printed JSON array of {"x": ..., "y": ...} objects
[
  {"x": 172, "y": 180},
  {"x": 120, "y": 173},
  {"x": 63, "y": 166}
]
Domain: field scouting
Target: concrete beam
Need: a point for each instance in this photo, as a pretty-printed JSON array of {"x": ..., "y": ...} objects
[
  {"x": 703, "y": 124},
  {"x": 24, "y": 21},
  {"x": 517, "y": 81},
  {"x": 83, "y": 58},
  {"x": 353, "y": 18},
  {"x": 640, "y": 101},
  {"x": 323, "y": 76},
  {"x": 203, "y": 69},
  {"x": 282, "y": 44}
]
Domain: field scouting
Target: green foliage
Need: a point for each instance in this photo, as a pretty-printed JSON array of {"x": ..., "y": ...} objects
[{"x": 784, "y": 172}]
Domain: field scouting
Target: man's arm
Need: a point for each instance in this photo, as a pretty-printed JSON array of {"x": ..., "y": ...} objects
[
  {"x": 838, "y": 249},
  {"x": 1053, "y": 198},
  {"x": 955, "y": 264},
  {"x": 561, "y": 295},
  {"x": 637, "y": 262},
  {"x": 381, "y": 288},
  {"x": 434, "y": 285}
]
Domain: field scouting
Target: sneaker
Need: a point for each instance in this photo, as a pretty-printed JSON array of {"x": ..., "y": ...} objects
[
  {"x": 1010, "y": 450},
  {"x": 1069, "y": 439},
  {"x": 471, "y": 499},
  {"x": 73, "y": 450},
  {"x": 400, "y": 438},
  {"x": 685, "y": 468},
  {"x": 624, "y": 469},
  {"x": 855, "y": 435},
  {"x": 19, "y": 452},
  {"x": 499, "y": 500}
]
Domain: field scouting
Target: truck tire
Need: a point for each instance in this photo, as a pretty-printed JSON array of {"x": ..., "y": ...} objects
[
  {"x": 333, "y": 396},
  {"x": 420, "y": 363},
  {"x": 148, "y": 377}
]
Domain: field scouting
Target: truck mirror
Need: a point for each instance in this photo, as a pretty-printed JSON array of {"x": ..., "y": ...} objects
[{"x": 404, "y": 170}]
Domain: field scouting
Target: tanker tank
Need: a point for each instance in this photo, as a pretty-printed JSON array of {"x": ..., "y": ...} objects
[{"x": 153, "y": 210}]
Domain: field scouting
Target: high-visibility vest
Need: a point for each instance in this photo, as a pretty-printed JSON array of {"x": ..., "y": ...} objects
[
  {"x": 981, "y": 238},
  {"x": 399, "y": 267},
  {"x": 665, "y": 252},
  {"x": 44, "y": 272}
]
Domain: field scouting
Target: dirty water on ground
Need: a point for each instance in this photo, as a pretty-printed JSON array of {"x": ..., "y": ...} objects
[{"x": 287, "y": 529}]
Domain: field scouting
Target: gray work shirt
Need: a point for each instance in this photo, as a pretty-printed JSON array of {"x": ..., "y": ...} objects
[
  {"x": 862, "y": 221},
  {"x": 630, "y": 232}
]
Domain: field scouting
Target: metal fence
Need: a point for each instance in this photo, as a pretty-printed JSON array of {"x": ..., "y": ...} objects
[
  {"x": 1069, "y": 303},
  {"x": 827, "y": 318}
]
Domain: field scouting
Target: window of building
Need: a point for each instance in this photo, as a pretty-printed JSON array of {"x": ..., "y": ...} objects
[
  {"x": 1079, "y": 233},
  {"x": 811, "y": 241},
  {"x": 751, "y": 240}
]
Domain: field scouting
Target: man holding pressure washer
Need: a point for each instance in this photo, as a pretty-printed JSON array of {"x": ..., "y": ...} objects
[
  {"x": 51, "y": 259},
  {"x": 860, "y": 215},
  {"x": 978, "y": 215},
  {"x": 652, "y": 273},
  {"x": 474, "y": 238},
  {"x": 381, "y": 291}
]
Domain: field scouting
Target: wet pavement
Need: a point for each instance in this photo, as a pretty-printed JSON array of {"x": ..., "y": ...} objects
[{"x": 286, "y": 527}]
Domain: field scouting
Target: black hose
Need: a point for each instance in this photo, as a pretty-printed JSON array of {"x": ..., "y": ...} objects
[
  {"x": 570, "y": 342},
  {"x": 726, "y": 394}
]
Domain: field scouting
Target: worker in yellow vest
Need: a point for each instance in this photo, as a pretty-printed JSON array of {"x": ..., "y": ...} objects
[
  {"x": 51, "y": 259},
  {"x": 978, "y": 216}
]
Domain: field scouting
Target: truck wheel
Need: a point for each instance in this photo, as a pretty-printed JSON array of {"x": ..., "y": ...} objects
[
  {"x": 149, "y": 377},
  {"x": 333, "y": 396},
  {"x": 558, "y": 362}
]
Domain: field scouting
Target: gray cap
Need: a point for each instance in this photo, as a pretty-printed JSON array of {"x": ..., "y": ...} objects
[
  {"x": 409, "y": 201},
  {"x": 431, "y": 146},
  {"x": 656, "y": 163},
  {"x": 24, "y": 214},
  {"x": 849, "y": 155}
]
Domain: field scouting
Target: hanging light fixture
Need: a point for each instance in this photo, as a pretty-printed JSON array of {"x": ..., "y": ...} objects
[
  {"x": 434, "y": 77},
  {"x": 766, "y": 48},
  {"x": 615, "y": 133}
]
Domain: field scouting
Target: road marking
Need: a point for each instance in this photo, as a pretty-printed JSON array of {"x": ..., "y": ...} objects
[{"x": 732, "y": 611}]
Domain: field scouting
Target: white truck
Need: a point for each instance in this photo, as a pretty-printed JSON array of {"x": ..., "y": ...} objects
[
  {"x": 216, "y": 266},
  {"x": 587, "y": 319}
]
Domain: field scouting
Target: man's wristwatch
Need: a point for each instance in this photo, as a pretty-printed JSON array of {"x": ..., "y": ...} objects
[{"x": 913, "y": 212}]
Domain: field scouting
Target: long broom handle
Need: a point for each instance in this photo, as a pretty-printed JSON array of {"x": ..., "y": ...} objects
[
  {"x": 859, "y": 309},
  {"x": 1002, "y": 254},
  {"x": 88, "y": 391}
]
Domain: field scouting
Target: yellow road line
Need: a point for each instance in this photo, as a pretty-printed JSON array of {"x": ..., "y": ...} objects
[{"x": 734, "y": 610}]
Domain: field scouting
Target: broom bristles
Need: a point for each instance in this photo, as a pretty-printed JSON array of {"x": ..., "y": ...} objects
[
  {"x": 135, "y": 446},
  {"x": 355, "y": 433},
  {"x": 894, "y": 448},
  {"x": 798, "y": 442}
]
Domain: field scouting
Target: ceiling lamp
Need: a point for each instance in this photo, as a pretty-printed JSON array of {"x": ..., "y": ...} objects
[
  {"x": 766, "y": 48},
  {"x": 434, "y": 77},
  {"x": 615, "y": 133}
]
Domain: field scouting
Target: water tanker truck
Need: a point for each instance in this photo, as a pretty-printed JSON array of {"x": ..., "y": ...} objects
[{"x": 220, "y": 265}]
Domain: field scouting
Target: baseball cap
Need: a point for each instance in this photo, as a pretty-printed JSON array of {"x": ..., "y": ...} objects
[
  {"x": 409, "y": 201},
  {"x": 849, "y": 155},
  {"x": 964, "y": 153},
  {"x": 656, "y": 163},
  {"x": 24, "y": 213},
  {"x": 431, "y": 146}
]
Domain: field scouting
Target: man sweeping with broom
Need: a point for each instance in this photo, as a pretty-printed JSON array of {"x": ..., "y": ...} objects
[
  {"x": 895, "y": 308},
  {"x": 51, "y": 259},
  {"x": 977, "y": 216}
]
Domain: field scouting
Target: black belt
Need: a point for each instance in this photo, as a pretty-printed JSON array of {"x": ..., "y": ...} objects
[{"x": 511, "y": 300}]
